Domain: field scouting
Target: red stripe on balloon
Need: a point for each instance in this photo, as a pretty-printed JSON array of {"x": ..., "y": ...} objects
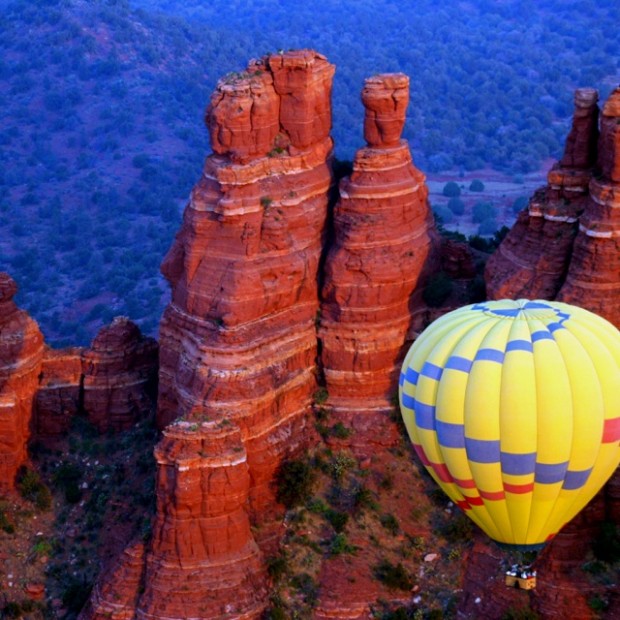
[
  {"x": 465, "y": 484},
  {"x": 421, "y": 454},
  {"x": 442, "y": 472},
  {"x": 474, "y": 501},
  {"x": 463, "y": 505},
  {"x": 550, "y": 537},
  {"x": 439, "y": 468},
  {"x": 493, "y": 496},
  {"x": 519, "y": 489},
  {"x": 611, "y": 430}
]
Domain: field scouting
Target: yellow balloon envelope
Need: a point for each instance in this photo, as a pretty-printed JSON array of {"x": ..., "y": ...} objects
[{"x": 514, "y": 409}]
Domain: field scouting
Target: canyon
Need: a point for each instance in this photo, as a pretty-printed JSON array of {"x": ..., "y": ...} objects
[{"x": 295, "y": 294}]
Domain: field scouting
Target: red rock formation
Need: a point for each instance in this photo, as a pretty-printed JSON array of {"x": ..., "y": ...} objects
[
  {"x": 533, "y": 259},
  {"x": 581, "y": 144},
  {"x": 21, "y": 352},
  {"x": 58, "y": 396},
  {"x": 115, "y": 595},
  {"x": 238, "y": 339},
  {"x": 384, "y": 235},
  {"x": 593, "y": 278},
  {"x": 202, "y": 561},
  {"x": 120, "y": 369}
]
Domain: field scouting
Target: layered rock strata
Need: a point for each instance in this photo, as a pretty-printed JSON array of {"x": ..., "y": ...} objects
[
  {"x": 119, "y": 376},
  {"x": 238, "y": 339},
  {"x": 59, "y": 394},
  {"x": 533, "y": 259},
  {"x": 202, "y": 561},
  {"x": 593, "y": 278},
  {"x": 375, "y": 269},
  {"x": 21, "y": 354},
  {"x": 112, "y": 382}
]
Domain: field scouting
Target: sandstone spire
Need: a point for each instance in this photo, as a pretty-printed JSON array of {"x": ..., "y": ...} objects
[{"x": 384, "y": 236}]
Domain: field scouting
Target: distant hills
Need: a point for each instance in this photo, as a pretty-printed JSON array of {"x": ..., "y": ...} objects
[{"x": 102, "y": 135}]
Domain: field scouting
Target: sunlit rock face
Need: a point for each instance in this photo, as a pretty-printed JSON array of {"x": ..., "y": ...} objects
[
  {"x": 202, "y": 560},
  {"x": 383, "y": 247},
  {"x": 21, "y": 355}
]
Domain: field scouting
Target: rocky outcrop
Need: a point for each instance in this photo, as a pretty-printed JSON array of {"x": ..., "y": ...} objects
[
  {"x": 202, "y": 560},
  {"x": 375, "y": 269},
  {"x": 533, "y": 259},
  {"x": 59, "y": 394},
  {"x": 115, "y": 595},
  {"x": 457, "y": 259},
  {"x": 238, "y": 339},
  {"x": 112, "y": 382},
  {"x": 21, "y": 354},
  {"x": 119, "y": 376},
  {"x": 593, "y": 278}
]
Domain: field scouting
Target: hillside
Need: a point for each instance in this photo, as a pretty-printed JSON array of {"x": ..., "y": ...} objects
[{"x": 102, "y": 132}]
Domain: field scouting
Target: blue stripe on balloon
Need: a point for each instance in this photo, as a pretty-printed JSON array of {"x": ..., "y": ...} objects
[
  {"x": 542, "y": 334},
  {"x": 538, "y": 305},
  {"x": 424, "y": 415},
  {"x": 576, "y": 479},
  {"x": 408, "y": 401},
  {"x": 506, "y": 311},
  {"x": 490, "y": 355},
  {"x": 518, "y": 464},
  {"x": 553, "y": 327},
  {"x": 519, "y": 345},
  {"x": 482, "y": 450},
  {"x": 450, "y": 435},
  {"x": 401, "y": 379},
  {"x": 547, "y": 473},
  {"x": 412, "y": 376},
  {"x": 456, "y": 362},
  {"x": 431, "y": 371}
]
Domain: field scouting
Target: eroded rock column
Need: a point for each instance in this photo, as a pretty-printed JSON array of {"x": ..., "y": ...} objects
[{"x": 375, "y": 269}]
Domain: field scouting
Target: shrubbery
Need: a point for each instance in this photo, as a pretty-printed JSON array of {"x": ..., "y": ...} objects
[
  {"x": 438, "y": 289},
  {"x": 294, "y": 482}
]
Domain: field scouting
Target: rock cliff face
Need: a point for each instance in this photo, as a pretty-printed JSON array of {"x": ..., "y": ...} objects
[
  {"x": 21, "y": 354},
  {"x": 112, "y": 382},
  {"x": 533, "y": 259},
  {"x": 375, "y": 269},
  {"x": 565, "y": 245}
]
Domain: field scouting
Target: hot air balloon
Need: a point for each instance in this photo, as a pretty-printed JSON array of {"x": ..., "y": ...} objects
[{"x": 514, "y": 409}]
